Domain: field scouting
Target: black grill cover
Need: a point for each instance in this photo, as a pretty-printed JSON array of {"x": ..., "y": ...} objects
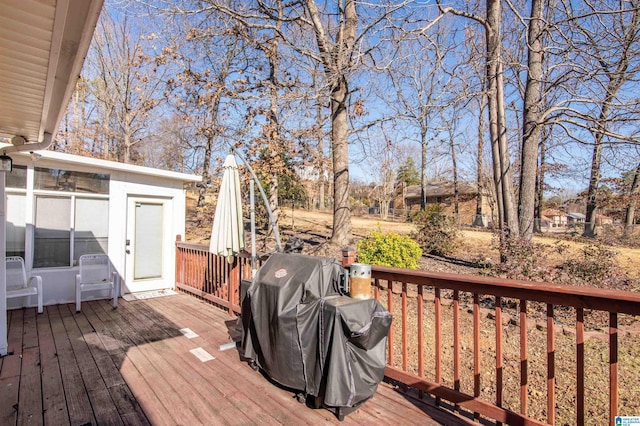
[{"x": 305, "y": 335}]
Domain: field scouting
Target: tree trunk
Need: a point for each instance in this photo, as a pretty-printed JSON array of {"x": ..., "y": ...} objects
[
  {"x": 454, "y": 164},
  {"x": 497, "y": 121},
  {"x": 629, "y": 220},
  {"x": 592, "y": 193},
  {"x": 492, "y": 51},
  {"x": 336, "y": 60},
  {"x": 423, "y": 168},
  {"x": 124, "y": 151},
  {"x": 206, "y": 165},
  {"x": 339, "y": 136},
  {"x": 616, "y": 79},
  {"x": 531, "y": 128},
  {"x": 479, "y": 163},
  {"x": 208, "y": 150},
  {"x": 510, "y": 213},
  {"x": 321, "y": 164},
  {"x": 540, "y": 183},
  {"x": 273, "y": 136}
]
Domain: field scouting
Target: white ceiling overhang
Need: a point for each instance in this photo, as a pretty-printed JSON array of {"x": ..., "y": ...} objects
[{"x": 43, "y": 44}]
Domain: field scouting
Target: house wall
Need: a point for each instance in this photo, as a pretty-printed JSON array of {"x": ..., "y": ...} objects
[
  {"x": 466, "y": 206},
  {"x": 59, "y": 283}
]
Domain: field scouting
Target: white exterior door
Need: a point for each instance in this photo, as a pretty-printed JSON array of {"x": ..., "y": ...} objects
[{"x": 147, "y": 250}]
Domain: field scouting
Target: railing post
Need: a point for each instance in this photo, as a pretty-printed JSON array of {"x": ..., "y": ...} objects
[
  {"x": 580, "y": 366},
  {"x": 179, "y": 264},
  {"x": 551, "y": 367},
  {"x": 524, "y": 362},
  {"x": 234, "y": 284},
  {"x": 348, "y": 256},
  {"x": 613, "y": 367}
]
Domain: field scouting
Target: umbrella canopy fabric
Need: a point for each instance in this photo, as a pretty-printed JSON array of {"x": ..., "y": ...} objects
[{"x": 227, "y": 234}]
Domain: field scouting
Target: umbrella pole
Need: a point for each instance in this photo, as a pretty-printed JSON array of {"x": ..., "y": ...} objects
[
  {"x": 274, "y": 224},
  {"x": 253, "y": 228}
]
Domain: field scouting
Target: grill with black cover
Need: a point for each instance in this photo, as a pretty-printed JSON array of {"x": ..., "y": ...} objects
[{"x": 304, "y": 333}]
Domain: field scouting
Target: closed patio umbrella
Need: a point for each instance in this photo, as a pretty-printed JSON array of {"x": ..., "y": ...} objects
[{"x": 227, "y": 234}]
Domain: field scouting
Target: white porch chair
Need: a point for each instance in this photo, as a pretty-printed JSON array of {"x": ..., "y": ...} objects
[
  {"x": 96, "y": 274},
  {"x": 17, "y": 283}
]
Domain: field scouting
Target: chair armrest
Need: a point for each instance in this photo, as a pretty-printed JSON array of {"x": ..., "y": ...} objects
[
  {"x": 115, "y": 278},
  {"x": 38, "y": 280}
]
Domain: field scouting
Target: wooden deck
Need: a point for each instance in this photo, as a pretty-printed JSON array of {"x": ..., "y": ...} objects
[{"x": 134, "y": 366}]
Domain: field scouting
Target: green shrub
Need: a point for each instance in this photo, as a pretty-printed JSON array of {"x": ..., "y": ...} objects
[
  {"x": 436, "y": 232},
  {"x": 389, "y": 250}
]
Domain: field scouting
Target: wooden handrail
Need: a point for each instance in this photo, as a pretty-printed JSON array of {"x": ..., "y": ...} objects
[{"x": 624, "y": 302}]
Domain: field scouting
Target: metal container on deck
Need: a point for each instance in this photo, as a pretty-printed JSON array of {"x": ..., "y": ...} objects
[{"x": 360, "y": 281}]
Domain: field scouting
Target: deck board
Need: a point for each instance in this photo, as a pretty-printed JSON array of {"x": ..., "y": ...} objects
[
  {"x": 132, "y": 366},
  {"x": 208, "y": 387},
  {"x": 30, "y": 393},
  {"x": 76, "y": 397},
  {"x": 53, "y": 402}
]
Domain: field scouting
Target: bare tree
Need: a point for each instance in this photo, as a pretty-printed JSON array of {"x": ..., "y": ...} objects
[
  {"x": 615, "y": 48},
  {"x": 208, "y": 57},
  {"x": 503, "y": 175},
  {"x": 337, "y": 38},
  {"x": 125, "y": 83},
  {"x": 337, "y": 57},
  {"x": 420, "y": 90},
  {"x": 453, "y": 135},
  {"x": 383, "y": 163}
]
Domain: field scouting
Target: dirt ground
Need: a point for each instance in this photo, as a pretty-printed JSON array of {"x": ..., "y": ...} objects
[{"x": 315, "y": 227}]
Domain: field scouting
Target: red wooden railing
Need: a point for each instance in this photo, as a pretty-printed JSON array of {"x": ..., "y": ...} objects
[
  {"x": 210, "y": 277},
  {"x": 581, "y": 299},
  {"x": 482, "y": 315}
]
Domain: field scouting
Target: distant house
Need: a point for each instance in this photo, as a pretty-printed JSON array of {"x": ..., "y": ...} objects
[
  {"x": 573, "y": 218},
  {"x": 442, "y": 192},
  {"x": 552, "y": 218}
]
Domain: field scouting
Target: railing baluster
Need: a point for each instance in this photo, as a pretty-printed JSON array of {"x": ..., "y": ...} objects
[
  {"x": 499, "y": 358},
  {"x": 211, "y": 271},
  {"x": 476, "y": 350},
  {"x": 219, "y": 277},
  {"x": 438, "y": 337},
  {"x": 420, "y": 332},
  {"x": 198, "y": 281},
  {"x": 405, "y": 340},
  {"x": 580, "y": 366},
  {"x": 390, "y": 309},
  {"x": 456, "y": 341},
  {"x": 551, "y": 367},
  {"x": 613, "y": 367},
  {"x": 524, "y": 399},
  {"x": 224, "y": 287},
  {"x": 185, "y": 267},
  {"x": 376, "y": 289},
  {"x": 190, "y": 269},
  {"x": 201, "y": 270},
  {"x": 178, "y": 259}
]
